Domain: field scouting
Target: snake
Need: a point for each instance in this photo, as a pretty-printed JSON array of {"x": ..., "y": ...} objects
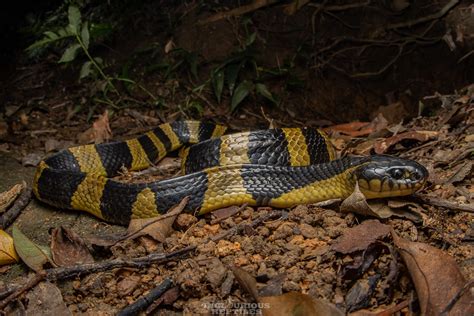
[{"x": 279, "y": 167}]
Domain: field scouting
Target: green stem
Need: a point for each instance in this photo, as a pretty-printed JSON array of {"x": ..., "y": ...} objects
[{"x": 86, "y": 51}]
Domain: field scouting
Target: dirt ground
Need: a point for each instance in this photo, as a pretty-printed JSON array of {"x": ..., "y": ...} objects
[{"x": 350, "y": 259}]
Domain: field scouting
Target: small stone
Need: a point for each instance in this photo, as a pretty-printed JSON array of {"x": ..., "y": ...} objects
[
  {"x": 184, "y": 221},
  {"x": 307, "y": 231},
  {"x": 128, "y": 285}
]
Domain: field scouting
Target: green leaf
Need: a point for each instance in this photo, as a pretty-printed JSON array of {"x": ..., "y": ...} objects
[
  {"x": 86, "y": 70},
  {"x": 241, "y": 92},
  {"x": 74, "y": 17},
  {"x": 262, "y": 90},
  {"x": 33, "y": 255},
  {"x": 232, "y": 73},
  {"x": 51, "y": 35},
  {"x": 218, "y": 83},
  {"x": 85, "y": 34},
  {"x": 70, "y": 53},
  {"x": 249, "y": 41}
]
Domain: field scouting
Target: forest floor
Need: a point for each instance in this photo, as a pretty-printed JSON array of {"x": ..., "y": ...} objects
[
  {"x": 404, "y": 87},
  {"x": 351, "y": 260}
]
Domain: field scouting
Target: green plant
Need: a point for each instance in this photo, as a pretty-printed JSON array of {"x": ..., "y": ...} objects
[
  {"x": 231, "y": 70},
  {"x": 77, "y": 35}
]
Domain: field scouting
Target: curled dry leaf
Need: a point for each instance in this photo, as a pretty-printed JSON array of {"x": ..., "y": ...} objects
[
  {"x": 437, "y": 278},
  {"x": 382, "y": 146},
  {"x": 7, "y": 250},
  {"x": 68, "y": 248},
  {"x": 33, "y": 255},
  {"x": 361, "y": 236},
  {"x": 157, "y": 228},
  {"x": 8, "y": 197},
  {"x": 357, "y": 203},
  {"x": 99, "y": 132}
]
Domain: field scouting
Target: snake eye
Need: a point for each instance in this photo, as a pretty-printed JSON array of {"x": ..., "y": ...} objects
[{"x": 397, "y": 173}]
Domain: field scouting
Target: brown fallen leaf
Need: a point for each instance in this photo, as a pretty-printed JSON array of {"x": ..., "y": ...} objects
[
  {"x": 461, "y": 173},
  {"x": 383, "y": 145},
  {"x": 353, "y": 129},
  {"x": 357, "y": 203},
  {"x": 33, "y": 255},
  {"x": 157, "y": 228},
  {"x": 361, "y": 292},
  {"x": 8, "y": 197},
  {"x": 68, "y": 248},
  {"x": 246, "y": 281},
  {"x": 437, "y": 278},
  {"x": 7, "y": 250},
  {"x": 382, "y": 311},
  {"x": 292, "y": 303},
  {"x": 361, "y": 236},
  {"x": 99, "y": 132},
  {"x": 46, "y": 299}
]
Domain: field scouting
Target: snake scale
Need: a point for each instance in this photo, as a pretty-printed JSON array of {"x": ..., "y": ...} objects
[{"x": 279, "y": 167}]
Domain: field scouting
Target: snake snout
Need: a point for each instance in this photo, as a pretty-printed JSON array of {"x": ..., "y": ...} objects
[{"x": 386, "y": 176}]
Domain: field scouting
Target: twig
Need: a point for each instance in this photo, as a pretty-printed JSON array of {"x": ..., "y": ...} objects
[
  {"x": 9, "y": 216},
  {"x": 427, "y": 18},
  {"x": 63, "y": 273},
  {"x": 444, "y": 203},
  {"x": 29, "y": 285},
  {"x": 341, "y": 7},
  {"x": 145, "y": 301},
  {"x": 255, "y": 5},
  {"x": 456, "y": 298}
]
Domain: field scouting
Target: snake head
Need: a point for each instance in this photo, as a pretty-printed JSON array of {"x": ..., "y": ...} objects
[{"x": 386, "y": 176}]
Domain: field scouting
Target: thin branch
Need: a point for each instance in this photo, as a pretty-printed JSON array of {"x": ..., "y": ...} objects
[
  {"x": 255, "y": 5},
  {"x": 146, "y": 300},
  {"x": 9, "y": 216},
  {"x": 445, "y": 203},
  {"x": 451, "y": 4}
]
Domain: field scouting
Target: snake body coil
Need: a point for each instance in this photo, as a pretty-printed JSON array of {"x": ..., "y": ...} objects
[{"x": 276, "y": 167}]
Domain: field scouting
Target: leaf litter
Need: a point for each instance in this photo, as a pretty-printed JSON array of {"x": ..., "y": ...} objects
[{"x": 345, "y": 260}]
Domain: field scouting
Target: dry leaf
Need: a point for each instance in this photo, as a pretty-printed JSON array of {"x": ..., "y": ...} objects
[
  {"x": 357, "y": 203},
  {"x": 68, "y": 248},
  {"x": 46, "y": 299},
  {"x": 7, "y": 250},
  {"x": 288, "y": 304},
  {"x": 294, "y": 303},
  {"x": 353, "y": 129},
  {"x": 157, "y": 228},
  {"x": 437, "y": 278},
  {"x": 8, "y": 197},
  {"x": 361, "y": 236},
  {"x": 33, "y": 255},
  {"x": 246, "y": 281},
  {"x": 462, "y": 172},
  {"x": 382, "y": 146},
  {"x": 99, "y": 132},
  {"x": 169, "y": 46},
  {"x": 360, "y": 293}
]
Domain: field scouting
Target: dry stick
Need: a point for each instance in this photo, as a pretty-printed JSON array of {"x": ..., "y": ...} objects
[
  {"x": 63, "y": 273},
  {"x": 30, "y": 284},
  {"x": 146, "y": 300},
  {"x": 427, "y": 18},
  {"x": 445, "y": 203},
  {"x": 255, "y": 5},
  {"x": 9, "y": 216}
]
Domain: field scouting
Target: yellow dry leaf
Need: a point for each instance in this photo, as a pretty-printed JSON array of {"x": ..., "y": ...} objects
[{"x": 7, "y": 250}]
